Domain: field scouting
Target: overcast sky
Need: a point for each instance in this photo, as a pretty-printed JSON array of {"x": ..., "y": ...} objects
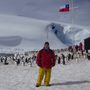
[{"x": 48, "y": 10}]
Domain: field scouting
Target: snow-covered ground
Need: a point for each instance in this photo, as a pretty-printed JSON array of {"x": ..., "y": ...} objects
[{"x": 73, "y": 76}]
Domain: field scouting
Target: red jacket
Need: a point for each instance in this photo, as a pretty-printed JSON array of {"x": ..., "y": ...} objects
[
  {"x": 46, "y": 58},
  {"x": 81, "y": 46}
]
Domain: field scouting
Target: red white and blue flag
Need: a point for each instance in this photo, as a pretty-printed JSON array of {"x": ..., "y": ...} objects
[{"x": 64, "y": 8}]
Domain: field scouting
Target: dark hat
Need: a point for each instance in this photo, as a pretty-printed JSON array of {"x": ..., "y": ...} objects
[{"x": 47, "y": 43}]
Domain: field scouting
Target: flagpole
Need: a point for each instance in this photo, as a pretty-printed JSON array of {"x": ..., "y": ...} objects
[
  {"x": 71, "y": 9},
  {"x": 73, "y": 19},
  {"x": 72, "y": 12},
  {"x": 47, "y": 34},
  {"x": 72, "y": 15}
]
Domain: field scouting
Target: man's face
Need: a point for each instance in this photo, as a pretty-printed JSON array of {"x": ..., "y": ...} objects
[{"x": 46, "y": 46}]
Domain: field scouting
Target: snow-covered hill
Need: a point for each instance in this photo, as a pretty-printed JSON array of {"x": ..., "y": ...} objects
[
  {"x": 19, "y": 30},
  {"x": 30, "y": 34},
  {"x": 25, "y": 33},
  {"x": 69, "y": 34}
]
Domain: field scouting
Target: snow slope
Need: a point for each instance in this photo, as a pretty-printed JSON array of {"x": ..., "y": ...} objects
[
  {"x": 25, "y": 33},
  {"x": 73, "y": 76},
  {"x": 69, "y": 34},
  {"x": 30, "y": 34}
]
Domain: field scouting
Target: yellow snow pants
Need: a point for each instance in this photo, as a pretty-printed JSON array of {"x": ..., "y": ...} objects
[{"x": 44, "y": 72}]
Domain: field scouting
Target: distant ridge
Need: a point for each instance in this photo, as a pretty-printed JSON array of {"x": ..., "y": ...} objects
[{"x": 10, "y": 40}]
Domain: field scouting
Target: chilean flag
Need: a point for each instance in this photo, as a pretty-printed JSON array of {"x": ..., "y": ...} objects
[{"x": 64, "y": 8}]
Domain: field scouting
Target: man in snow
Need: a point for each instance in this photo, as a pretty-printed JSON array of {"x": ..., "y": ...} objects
[{"x": 45, "y": 60}]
